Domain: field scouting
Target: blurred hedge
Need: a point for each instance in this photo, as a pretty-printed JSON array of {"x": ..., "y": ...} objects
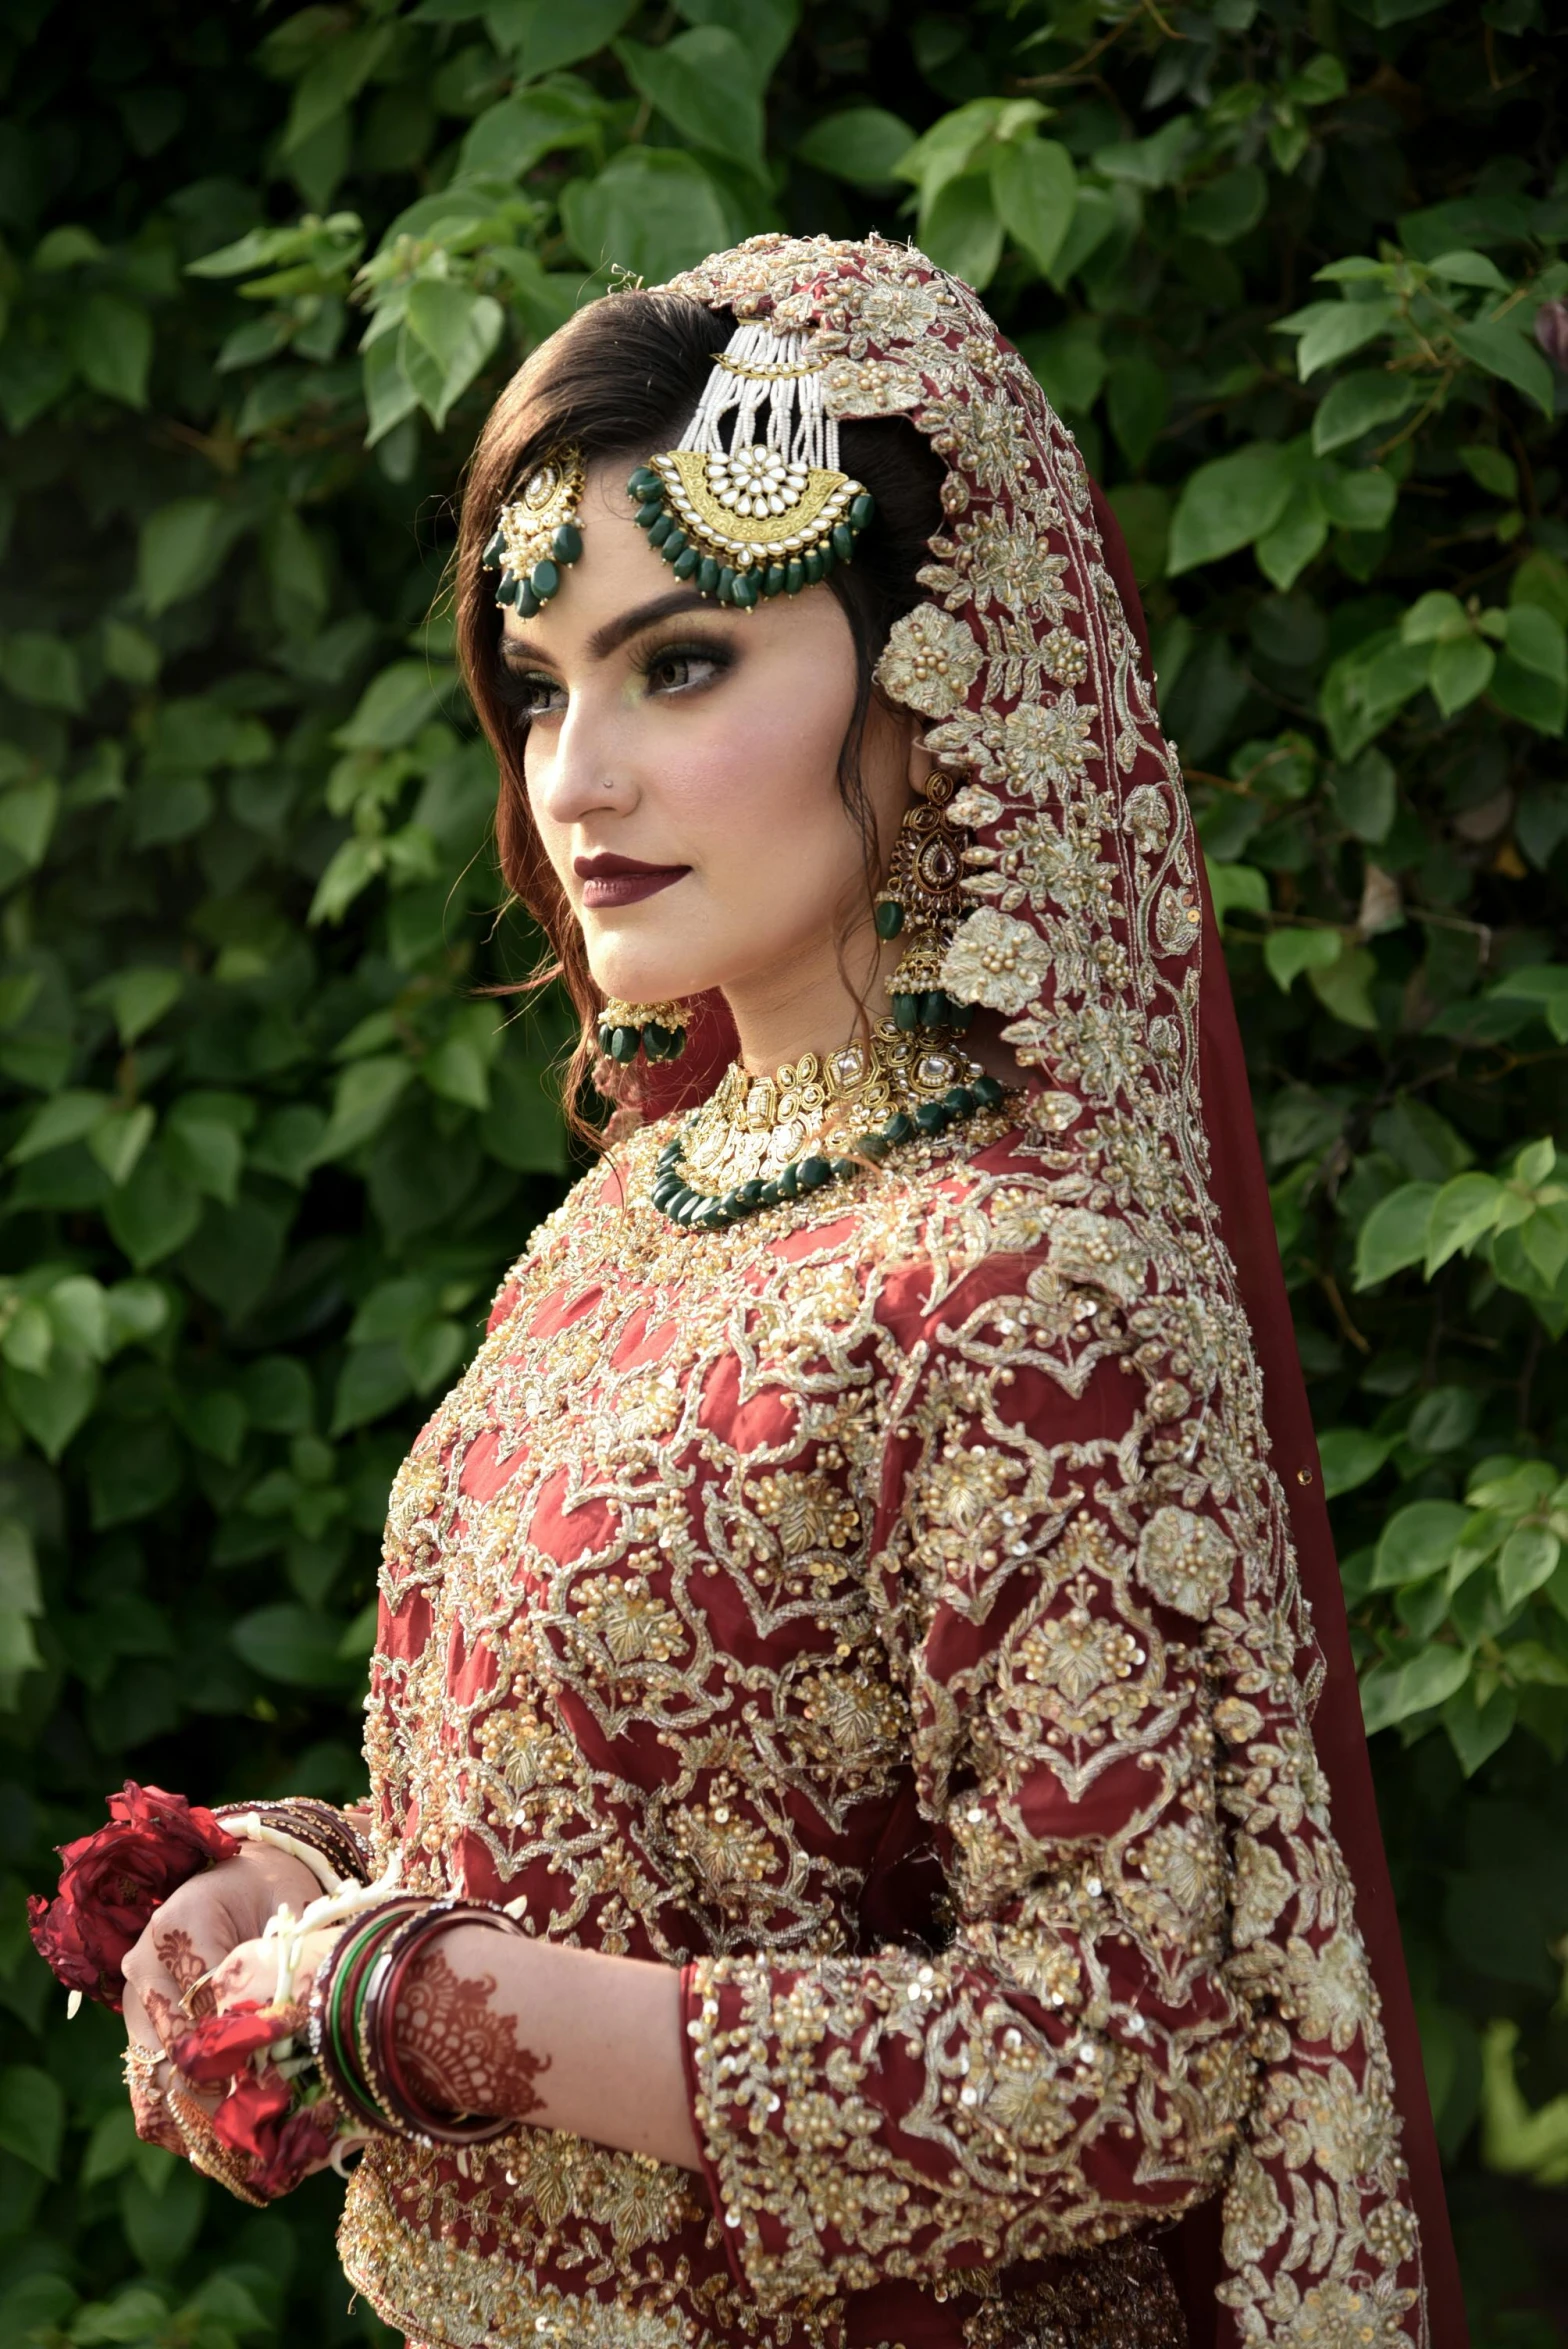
[{"x": 1292, "y": 273}]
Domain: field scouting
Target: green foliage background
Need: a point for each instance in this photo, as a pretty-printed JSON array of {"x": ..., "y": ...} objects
[{"x": 266, "y": 1150}]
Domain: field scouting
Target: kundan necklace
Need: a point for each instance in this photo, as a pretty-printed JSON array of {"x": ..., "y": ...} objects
[{"x": 759, "y": 1140}]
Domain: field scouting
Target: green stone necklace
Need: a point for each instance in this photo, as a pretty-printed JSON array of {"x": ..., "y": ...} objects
[{"x": 894, "y": 1087}]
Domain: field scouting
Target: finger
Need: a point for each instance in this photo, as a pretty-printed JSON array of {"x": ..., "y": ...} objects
[{"x": 147, "y": 2076}]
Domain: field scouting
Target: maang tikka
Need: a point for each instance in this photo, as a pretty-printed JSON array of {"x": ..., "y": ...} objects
[
  {"x": 753, "y": 502},
  {"x": 537, "y": 534}
]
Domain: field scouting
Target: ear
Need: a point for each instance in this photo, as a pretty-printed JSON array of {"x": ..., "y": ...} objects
[{"x": 921, "y": 765}]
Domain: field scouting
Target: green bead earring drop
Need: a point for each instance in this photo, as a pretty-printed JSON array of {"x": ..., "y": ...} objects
[{"x": 656, "y": 1030}]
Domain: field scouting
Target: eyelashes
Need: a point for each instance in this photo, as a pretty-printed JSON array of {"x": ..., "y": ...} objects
[{"x": 688, "y": 666}]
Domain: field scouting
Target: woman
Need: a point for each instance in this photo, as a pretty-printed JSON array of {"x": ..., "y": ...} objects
[{"x": 848, "y": 1617}]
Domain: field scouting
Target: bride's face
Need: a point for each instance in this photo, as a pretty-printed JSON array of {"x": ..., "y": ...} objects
[{"x": 682, "y": 768}]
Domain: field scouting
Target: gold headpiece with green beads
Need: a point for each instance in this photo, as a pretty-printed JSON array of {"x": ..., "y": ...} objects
[{"x": 752, "y": 503}]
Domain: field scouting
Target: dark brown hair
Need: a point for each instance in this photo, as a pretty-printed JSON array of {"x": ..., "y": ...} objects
[{"x": 621, "y": 380}]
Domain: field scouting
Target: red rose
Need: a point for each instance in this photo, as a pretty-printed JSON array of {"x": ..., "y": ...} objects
[
  {"x": 255, "y": 2119},
  {"x": 113, "y": 1880},
  {"x": 224, "y": 2043}
]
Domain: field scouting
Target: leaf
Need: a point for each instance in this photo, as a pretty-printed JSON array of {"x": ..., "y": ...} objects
[
  {"x": 541, "y": 35},
  {"x": 292, "y": 1644},
  {"x": 1476, "y": 1732},
  {"x": 111, "y": 342},
  {"x": 1537, "y": 640},
  {"x": 1502, "y": 349},
  {"x": 1461, "y": 670},
  {"x": 28, "y": 812},
  {"x": 181, "y": 547},
  {"x": 459, "y": 328},
  {"x": 52, "y": 1404},
  {"x": 69, "y": 1117},
  {"x": 1528, "y": 1559},
  {"x": 366, "y": 1094},
  {"x": 1392, "y": 1692},
  {"x": 1330, "y": 331},
  {"x": 1228, "y": 503},
  {"x": 706, "y": 86},
  {"x": 1290, "y": 952},
  {"x": 1343, "y": 986},
  {"x": 1036, "y": 190},
  {"x": 1394, "y": 1235},
  {"x": 1360, "y": 500},
  {"x": 1463, "y": 1210},
  {"x": 138, "y": 997},
  {"x": 1228, "y": 206},
  {"x": 961, "y": 229},
  {"x": 651, "y": 211},
  {"x": 863, "y": 144},
  {"x": 32, "y": 2117},
  {"x": 394, "y": 706},
  {"x": 154, "y": 1213},
  {"x": 1368, "y": 686},
  {"x": 1359, "y": 404},
  {"x": 508, "y": 139},
  {"x": 41, "y": 669},
  {"x": 1365, "y": 796},
  {"x": 119, "y": 1140},
  {"x": 1351, "y": 1456}
]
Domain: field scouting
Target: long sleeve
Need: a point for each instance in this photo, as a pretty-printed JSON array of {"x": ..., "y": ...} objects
[{"x": 1073, "y": 2063}]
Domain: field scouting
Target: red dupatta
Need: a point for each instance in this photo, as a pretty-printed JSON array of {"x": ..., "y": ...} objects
[{"x": 1096, "y": 937}]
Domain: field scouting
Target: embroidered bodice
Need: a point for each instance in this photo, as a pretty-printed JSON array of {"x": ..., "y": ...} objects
[{"x": 851, "y": 1608}]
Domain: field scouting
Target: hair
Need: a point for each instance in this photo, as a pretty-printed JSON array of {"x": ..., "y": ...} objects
[{"x": 620, "y": 381}]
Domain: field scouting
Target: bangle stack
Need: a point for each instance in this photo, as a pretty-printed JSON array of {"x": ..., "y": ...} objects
[
  {"x": 353, "y": 2005},
  {"x": 311, "y": 1832}
]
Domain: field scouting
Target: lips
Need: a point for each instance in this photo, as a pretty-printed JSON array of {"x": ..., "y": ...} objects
[{"x": 610, "y": 881}]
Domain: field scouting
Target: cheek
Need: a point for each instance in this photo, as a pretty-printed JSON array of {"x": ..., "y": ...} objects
[{"x": 761, "y": 776}]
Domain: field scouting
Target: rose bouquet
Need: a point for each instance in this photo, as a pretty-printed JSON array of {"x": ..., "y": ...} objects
[{"x": 113, "y": 1880}]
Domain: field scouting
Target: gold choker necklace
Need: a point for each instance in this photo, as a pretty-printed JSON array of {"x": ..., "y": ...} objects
[{"x": 759, "y": 1140}]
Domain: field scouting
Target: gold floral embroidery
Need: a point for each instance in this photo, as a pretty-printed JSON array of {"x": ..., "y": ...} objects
[{"x": 965, "y": 1471}]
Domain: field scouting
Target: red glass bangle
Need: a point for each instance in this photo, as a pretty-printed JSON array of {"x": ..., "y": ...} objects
[{"x": 377, "y": 2052}]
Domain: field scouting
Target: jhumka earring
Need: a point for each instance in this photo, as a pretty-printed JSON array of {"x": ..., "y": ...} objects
[
  {"x": 920, "y": 899},
  {"x": 765, "y": 510},
  {"x": 537, "y": 535},
  {"x": 657, "y": 1030}
]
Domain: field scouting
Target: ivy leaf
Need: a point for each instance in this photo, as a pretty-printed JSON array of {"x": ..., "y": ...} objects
[
  {"x": 961, "y": 229},
  {"x": 1330, "y": 331},
  {"x": 1351, "y": 1456},
  {"x": 863, "y": 144},
  {"x": 111, "y": 342},
  {"x": 1528, "y": 1560},
  {"x": 511, "y": 137},
  {"x": 32, "y": 2117},
  {"x": 706, "y": 86},
  {"x": 1228, "y": 503},
  {"x": 1501, "y": 348},
  {"x": 459, "y": 329},
  {"x": 540, "y": 34},
  {"x": 1392, "y": 1692},
  {"x": 1462, "y": 1211},
  {"x": 181, "y": 547},
  {"x": 1359, "y": 404},
  {"x": 1290, "y": 952},
  {"x": 652, "y": 211},
  {"x": 1395, "y": 1233},
  {"x": 1036, "y": 189}
]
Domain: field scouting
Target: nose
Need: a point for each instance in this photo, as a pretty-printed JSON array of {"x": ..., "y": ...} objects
[{"x": 579, "y": 768}]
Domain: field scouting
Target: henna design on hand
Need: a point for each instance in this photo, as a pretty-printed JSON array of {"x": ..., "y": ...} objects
[
  {"x": 456, "y": 2053},
  {"x": 185, "y": 1966}
]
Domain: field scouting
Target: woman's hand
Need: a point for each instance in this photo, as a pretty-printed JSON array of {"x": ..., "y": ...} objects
[{"x": 166, "y": 1988}]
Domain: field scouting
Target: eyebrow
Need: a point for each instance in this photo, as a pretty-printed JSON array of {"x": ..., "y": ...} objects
[{"x": 614, "y": 633}]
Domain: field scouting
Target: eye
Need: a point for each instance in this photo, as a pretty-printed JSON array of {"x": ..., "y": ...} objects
[
  {"x": 682, "y": 668},
  {"x": 530, "y": 693}
]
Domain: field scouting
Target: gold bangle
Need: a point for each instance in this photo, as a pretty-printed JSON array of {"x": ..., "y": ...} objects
[{"x": 206, "y": 2150}]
